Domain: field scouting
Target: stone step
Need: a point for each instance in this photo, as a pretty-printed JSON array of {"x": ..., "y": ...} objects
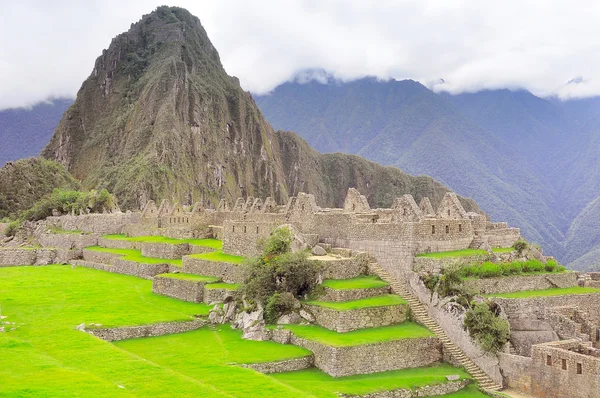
[{"x": 421, "y": 314}]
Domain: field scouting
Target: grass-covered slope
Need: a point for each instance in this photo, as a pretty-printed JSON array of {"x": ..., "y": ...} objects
[
  {"x": 547, "y": 292},
  {"x": 45, "y": 356},
  {"x": 370, "y": 302},
  {"x": 360, "y": 282},
  {"x": 211, "y": 243},
  {"x": 135, "y": 255},
  {"x": 24, "y": 182}
]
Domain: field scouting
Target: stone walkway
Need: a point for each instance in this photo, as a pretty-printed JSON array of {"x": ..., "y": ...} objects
[
  {"x": 516, "y": 394},
  {"x": 422, "y": 316}
]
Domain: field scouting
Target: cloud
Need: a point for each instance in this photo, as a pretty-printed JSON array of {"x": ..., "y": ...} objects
[{"x": 49, "y": 48}]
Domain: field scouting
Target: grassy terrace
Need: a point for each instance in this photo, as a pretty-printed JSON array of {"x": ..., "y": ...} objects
[
  {"x": 191, "y": 277},
  {"x": 219, "y": 256},
  {"x": 360, "y": 282},
  {"x": 405, "y": 330},
  {"x": 547, "y": 292},
  {"x": 370, "y": 302},
  {"x": 464, "y": 253},
  {"x": 46, "y": 357},
  {"x": 212, "y": 243},
  {"x": 223, "y": 285},
  {"x": 316, "y": 382},
  {"x": 135, "y": 255}
]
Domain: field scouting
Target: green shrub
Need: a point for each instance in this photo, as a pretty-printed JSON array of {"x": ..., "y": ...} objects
[
  {"x": 65, "y": 201},
  {"x": 551, "y": 265},
  {"x": 278, "y": 304},
  {"x": 491, "y": 270},
  {"x": 430, "y": 280},
  {"x": 278, "y": 273},
  {"x": 450, "y": 282},
  {"x": 520, "y": 246},
  {"x": 486, "y": 327},
  {"x": 532, "y": 266}
]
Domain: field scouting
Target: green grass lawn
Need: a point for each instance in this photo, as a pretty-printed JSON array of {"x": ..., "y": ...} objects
[
  {"x": 58, "y": 230},
  {"x": 46, "y": 357},
  {"x": 136, "y": 255},
  {"x": 318, "y": 383},
  {"x": 360, "y": 282},
  {"x": 547, "y": 292},
  {"x": 191, "y": 277},
  {"x": 454, "y": 253},
  {"x": 405, "y": 330},
  {"x": 223, "y": 285},
  {"x": 503, "y": 249},
  {"x": 220, "y": 257},
  {"x": 212, "y": 243},
  {"x": 378, "y": 301}
]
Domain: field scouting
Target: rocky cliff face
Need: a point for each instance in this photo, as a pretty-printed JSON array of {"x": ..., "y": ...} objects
[{"x": 160, "y": 118}]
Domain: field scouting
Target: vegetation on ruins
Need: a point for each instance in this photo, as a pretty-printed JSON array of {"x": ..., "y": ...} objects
[
  {"x": 277, "y": 277},
  {"x": 65, "y": 201},
  {"x": 485, "y": 326},
  {"x": 520, "y": 246},
  {"x": 490, "y": 270},
  {"x": 26, "y": 181},
  {"x": 218, "y": 255},
  {"x": 559, "y": 291}
]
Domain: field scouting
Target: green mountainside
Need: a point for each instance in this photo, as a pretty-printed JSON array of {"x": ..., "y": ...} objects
[
  {"x": 26, "y": 181},
  {"x": 160, "y": 118},
  {"x": 530, "y": 161}
]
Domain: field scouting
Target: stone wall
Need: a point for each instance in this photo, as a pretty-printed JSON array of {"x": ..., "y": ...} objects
[
  {"x": 429, "y": 264},
  {"x": 96, "y": 223},
  {"x": 219, "y": 295},
  {"x": 519, "y": 283},
  {"x": 68, "y": 241},
  {"x": 352, "y": 294},
  {"x": 165, "y": 250},
  {"x": 119, "y": 244},
  {"x": 343, "y": 267},
  {"x": 35, "y": 256},
  {"x": 345, "y": 321},
  {"x": 241, "y": 237},
  {"x": 287, "y": 365},
  {"x": 141, "y": 270},
  {"x": 426, "y": 391},
  {"x": 536, "y": 307},
  {"x": 228, "y": 272},
  {"x": 157, "y": 329},
  {"x": 369, "y": 358},
  {"x": 516, "y": 371},
  {"x": 559, "y": 372},
  {"x": 182, "y": 289}
]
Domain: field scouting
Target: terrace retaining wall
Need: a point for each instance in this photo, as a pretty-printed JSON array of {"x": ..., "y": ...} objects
[
  {"x": 536, "y": 307},
  {"x": 435, "y": 265},
  {"x": 68, "y": 241},
  {"x": 287, "y": 365},
  {"x": 345, "y": 321},
  {"x": 157, "y": 329},
  {"x": 426, "y": 391},
  {"x": 519, "y": 283},
  {"x": 367, "y": 358},
  {"x": 213, "y": 295},
  {"x": 339, "y": 295},
  {"x": 36, "y": 256},
  {"x": 165, "y": 250},
  {"x": 228, "y": 272},
  {"x": 186, "y": 290}
]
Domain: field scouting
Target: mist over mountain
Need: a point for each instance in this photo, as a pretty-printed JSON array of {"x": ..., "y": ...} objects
[
  {"x": 531, "y": 161},
  {"x": 25, "y": 131}
]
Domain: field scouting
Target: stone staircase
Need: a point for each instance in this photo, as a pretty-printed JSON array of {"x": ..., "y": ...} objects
[{"x": 421, "y": 315}]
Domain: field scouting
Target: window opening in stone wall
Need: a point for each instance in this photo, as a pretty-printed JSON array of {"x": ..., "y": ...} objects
[
  {"x": 404, "y": 211},
  {"x": 448, "y": 211},
  {"x": 257, "y": 230},
  {"x": 579, "y": 369},
  {"x": 353, "y": 207},
  {"x": 548, "y": 360},
  {"x": 564, "y": 364},
  {"x": 598, "y": 334},
  {"x": 459, "y": 227},
  {"x": 447, "y": 229},
  {"x": 244, "y": 229},
  {"x": 303, "y": 208},
  {"x": 233, "y": 228},
  {"x": 432, "y": 229}
]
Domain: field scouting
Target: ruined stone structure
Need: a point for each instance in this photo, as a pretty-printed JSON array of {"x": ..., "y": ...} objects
[{"x": 393, "y": 236}]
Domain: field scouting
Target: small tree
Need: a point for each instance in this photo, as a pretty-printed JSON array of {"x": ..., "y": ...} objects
[
  {"x": 487, "y": 327},
  {"x": 520, "y": 246}
]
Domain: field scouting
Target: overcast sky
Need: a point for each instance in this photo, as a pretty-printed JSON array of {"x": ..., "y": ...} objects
[{"x": 47, "y": 48}]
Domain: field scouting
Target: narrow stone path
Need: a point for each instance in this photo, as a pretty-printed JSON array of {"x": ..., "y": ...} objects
[{"x": 421, "y": 315}]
